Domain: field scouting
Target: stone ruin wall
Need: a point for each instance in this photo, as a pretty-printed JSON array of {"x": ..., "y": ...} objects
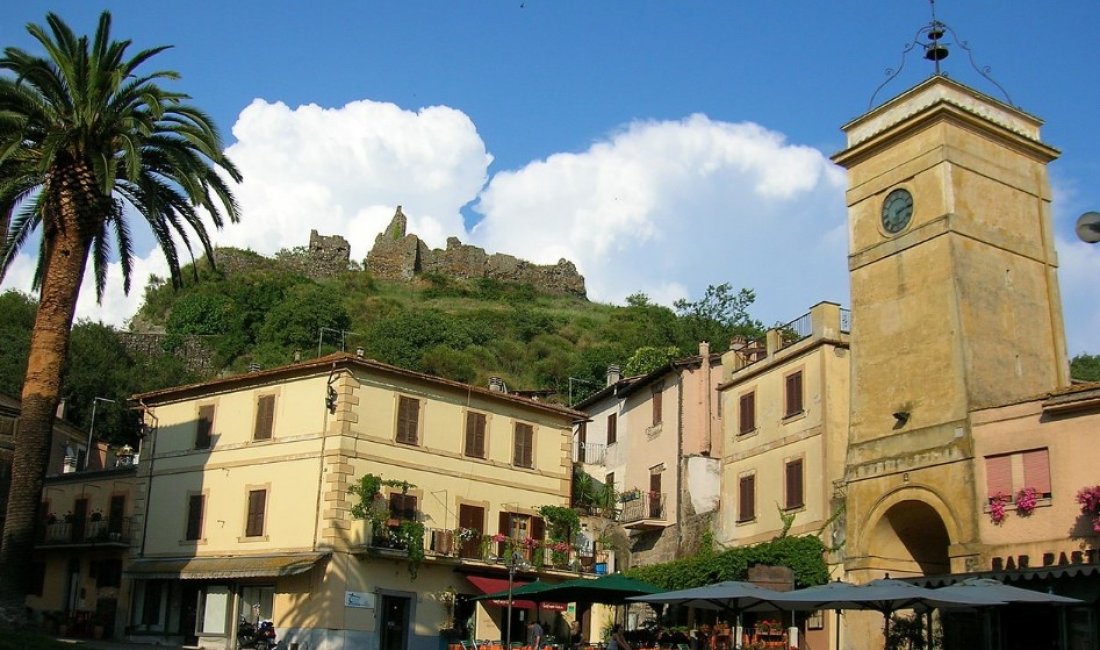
[{"x": 397, "y": 255}]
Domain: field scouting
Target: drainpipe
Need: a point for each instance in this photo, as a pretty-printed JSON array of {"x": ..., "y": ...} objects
[
  {"x": 704, "y": 371},
  {"x": 679, "y": 462},
  {"x": 321, "y": 457}
]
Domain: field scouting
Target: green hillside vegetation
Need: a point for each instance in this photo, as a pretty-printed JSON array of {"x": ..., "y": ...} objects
[{"x": 463, "y": 330}]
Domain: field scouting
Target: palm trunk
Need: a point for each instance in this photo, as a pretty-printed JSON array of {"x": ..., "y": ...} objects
[{"x": 65, "y": 257}]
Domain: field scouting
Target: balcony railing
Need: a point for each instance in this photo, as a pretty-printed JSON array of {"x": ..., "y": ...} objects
[
  {"x": 796, "y": 330},
  {"x": 443, "y": 543},
  {"x": 589, "y": 453},
  {"x": 642, "y": 505},
  {"x": 90, "y": 530}
]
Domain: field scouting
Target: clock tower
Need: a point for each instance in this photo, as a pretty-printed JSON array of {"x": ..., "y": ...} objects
[{"x": 955, "y": 307}]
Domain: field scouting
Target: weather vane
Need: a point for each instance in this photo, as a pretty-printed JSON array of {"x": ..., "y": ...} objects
[{"x": 933, "y": 40}]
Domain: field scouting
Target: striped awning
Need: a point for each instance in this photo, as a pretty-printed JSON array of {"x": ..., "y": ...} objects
[{"x": 207, "y": 568}]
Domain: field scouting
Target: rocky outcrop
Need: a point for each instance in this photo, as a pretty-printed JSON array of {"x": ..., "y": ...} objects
[{"x": 398, "y": 255}]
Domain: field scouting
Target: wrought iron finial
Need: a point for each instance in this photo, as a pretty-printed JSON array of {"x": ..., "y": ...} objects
[{"x": 933, "y": 39}]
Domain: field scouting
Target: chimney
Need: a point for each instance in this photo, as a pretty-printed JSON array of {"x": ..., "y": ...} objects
[
  {"x": 614, "y": 374},
  {"x": 297, "y": 356},
  {"x": 360, "y": 352},
  {"x": 737, "y": 343},
  {"x": 254, "y": 367},
  {"x": 61, "y": 409},
  {"x": 496, "y": 384},
  {"x": 704, "y": 351}
]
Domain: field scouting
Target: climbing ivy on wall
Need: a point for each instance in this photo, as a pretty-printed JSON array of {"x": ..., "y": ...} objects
[{"x": 804, "y": 555}]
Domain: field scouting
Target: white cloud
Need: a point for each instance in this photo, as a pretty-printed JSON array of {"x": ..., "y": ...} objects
[
  {"x": 1079, "y": 281},
  {"x": 670, "y": 207},
  {"x": 344, "y": 170}
]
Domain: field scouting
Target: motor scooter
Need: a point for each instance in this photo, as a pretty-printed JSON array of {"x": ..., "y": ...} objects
[{"x": 261, "y": 637}]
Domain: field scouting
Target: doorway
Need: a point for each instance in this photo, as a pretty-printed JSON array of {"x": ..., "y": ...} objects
[
  {"x": 189, "y": 615},
  {"x": 393, "y": 627}
]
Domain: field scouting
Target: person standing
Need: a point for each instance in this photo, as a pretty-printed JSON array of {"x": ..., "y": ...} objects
[
  {"x": 575, "y": 633},
  {"x": 617, "y": 641},
  {"x": 534, "y": 634}
]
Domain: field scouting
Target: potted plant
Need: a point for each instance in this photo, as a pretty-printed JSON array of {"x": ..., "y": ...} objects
[
  {"x": 1026, "y": 500},
  {"x": 997, "y": 504},
  {"x": 1089, "y": 498}
]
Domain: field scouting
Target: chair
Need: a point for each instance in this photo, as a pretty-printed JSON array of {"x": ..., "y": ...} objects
[{"x": 682, "y": 646}]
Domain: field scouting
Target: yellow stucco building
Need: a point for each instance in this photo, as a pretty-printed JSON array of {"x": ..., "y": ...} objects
[{"x": 250, "y": 514}]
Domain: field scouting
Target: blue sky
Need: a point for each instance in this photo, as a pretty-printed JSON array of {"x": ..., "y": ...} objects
[{"x": 663, "y": 146}]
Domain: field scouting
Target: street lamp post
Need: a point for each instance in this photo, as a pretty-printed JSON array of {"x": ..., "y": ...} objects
[
  {"x": 91, "y": 429},
  {"x": 513, "y": 564}
]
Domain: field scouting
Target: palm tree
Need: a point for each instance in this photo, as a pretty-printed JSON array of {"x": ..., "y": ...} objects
[{"x": 87, "y": 144}]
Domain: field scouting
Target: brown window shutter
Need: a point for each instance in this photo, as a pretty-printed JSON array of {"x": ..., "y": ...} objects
[
  {"x": 657, "y": 415},
  {"x": 794, "y": 484},
  {"x": 194, "y": 516},
  {"x": 1037, "y": 470},
  {"x": 998, "y": 475},
  {"x": 408, "y": 419},
  {"x": 747, "y": 498},
  {"x": 523, "y": 455},
  {"x": 504, "y": 528},
  {"x": 265, "y": 417},
  {"x": 257, "y": 501},
  {"x": 794, "y": 394},
  {"x": 205, "y": 427},
  {"x": 475, "y": 434},
  {"x": 612, "y": 429},
  {"x": 747, "y": 413},
  {"x": 116, "y": 512}
]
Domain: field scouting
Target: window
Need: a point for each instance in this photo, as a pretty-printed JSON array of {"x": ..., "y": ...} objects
[
  {"x": 115, "y": 513},
  {"x": 746, "y": 498},
  {"x": 747, "y": 413},
  {"x": 402, "y": 506},
  {"x": 793, "y": 394},
  {"x": 257, "y": 504},
  {"x": 37, "y": 578},
  {"x": 612, "y": 429},
  {"x": 108, "y": 573},
  {"x": 408, "y": 419},
  {"x": 1009, "y": 473},
  {"x": 205, "y": 428},
  {"x": 475, "y": 434},
  {"x": 609, "y": 480},
  {"x": 265, "y": 417},
  {"x": 195, "y": 505},
  {"x": 523, "y": 445},
  {"x": 520, "y": 527},
  {"x": 718, "y": 403},
  {"x": 655, "y": 509},
  {"x": 657, "y": 393},
  {"x": 151, "y": 601},
  {"x": 794, "y": 484}
]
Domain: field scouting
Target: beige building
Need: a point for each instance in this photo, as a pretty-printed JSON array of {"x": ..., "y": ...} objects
[
  {"x": 249, "y": 510},
  {"x": 784, "y": 444},
  {"x": 656, "y": 439}
]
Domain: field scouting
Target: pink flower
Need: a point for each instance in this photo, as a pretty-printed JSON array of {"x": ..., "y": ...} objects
[
  {"x": 997, "y": 507},
  {"x": 1026, "y": 499}
]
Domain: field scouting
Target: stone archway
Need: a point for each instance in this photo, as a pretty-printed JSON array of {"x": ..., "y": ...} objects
[{"x": 910, "y": 538}]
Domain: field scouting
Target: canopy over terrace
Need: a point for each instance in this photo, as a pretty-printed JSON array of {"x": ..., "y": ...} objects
[{"x": 525, "y": 595}]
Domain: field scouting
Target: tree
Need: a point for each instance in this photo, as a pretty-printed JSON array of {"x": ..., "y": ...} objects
[
  {"x": 87, "y": 140},
  {"x": 718, "y": 316},
  {"x": 1085, "y": 367}
]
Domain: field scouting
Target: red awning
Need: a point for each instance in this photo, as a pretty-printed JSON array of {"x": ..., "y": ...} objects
[{"x": 492, "y": 585}]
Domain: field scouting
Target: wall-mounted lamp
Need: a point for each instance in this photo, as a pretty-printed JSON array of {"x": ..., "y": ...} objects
[{"x": 901, "y": 417}]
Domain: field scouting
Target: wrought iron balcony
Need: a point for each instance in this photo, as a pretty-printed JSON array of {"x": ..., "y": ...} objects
[
  {"x": 589, "y": 453},
  {"x": 643, "y": 510},
  {"x": 93, "y": 530}
]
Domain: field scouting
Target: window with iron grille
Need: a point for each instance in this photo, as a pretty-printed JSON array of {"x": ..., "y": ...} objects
[
  {"x": 795, "y": 497},
  {"x": 793, "y": 394},
  {"x": 408, "y": 420},
  {"x": 205, "y": 428},
  {"x": 746, "y": 498},
  {"x": 523, "y": 453},
  {"x": 747, "y": 413},
  {"x": 475, "y": 434},
  {"x": 265, "y": 417},
  {"x": 257, "y": 505}
]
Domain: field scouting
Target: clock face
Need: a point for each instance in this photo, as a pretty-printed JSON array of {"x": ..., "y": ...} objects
[{"x": 897, "y": 210}]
